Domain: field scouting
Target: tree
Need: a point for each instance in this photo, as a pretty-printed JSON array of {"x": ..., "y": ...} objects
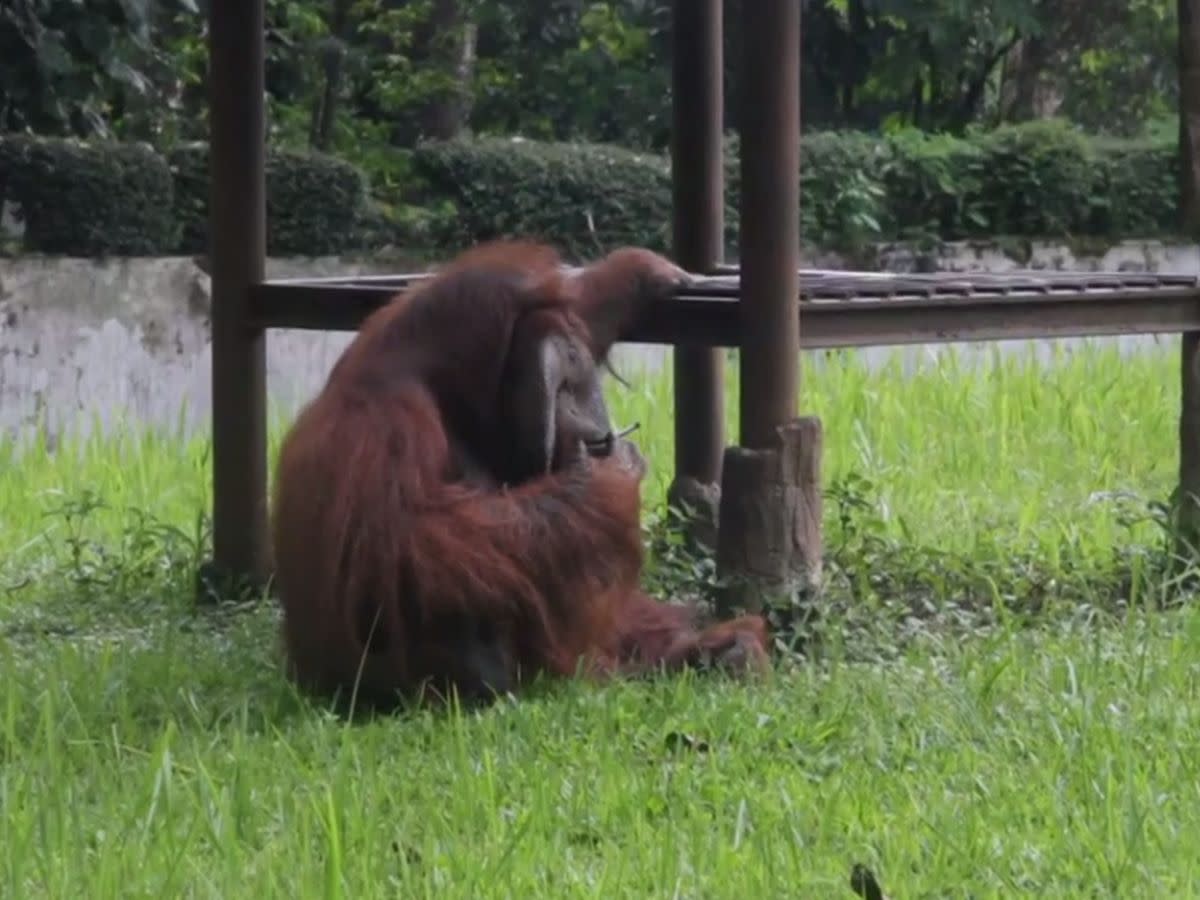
[
  {"x": 70, "y": 67},
  {"x": 1106, "y": 64}
]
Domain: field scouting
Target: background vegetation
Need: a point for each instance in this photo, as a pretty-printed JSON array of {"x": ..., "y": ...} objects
[
  {"x": 391, "y": 121},
  {"x": 1039, "y": 179},
  {"x": 150, "y": 747},
  {"x": 356, "y": 76}
]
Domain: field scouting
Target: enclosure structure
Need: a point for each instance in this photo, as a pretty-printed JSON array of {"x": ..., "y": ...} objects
[{"x": 767, "y": 306}]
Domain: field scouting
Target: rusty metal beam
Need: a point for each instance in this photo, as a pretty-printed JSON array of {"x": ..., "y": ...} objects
[
  {"x": 237, "y": 235},
  {"x": 831, "y": 284},
  {"x": 698, "y": 226},
  {"x": 712, "y": 317},
  {"x": 829, "y": 324},
  {"x": 770, "y": 220}
]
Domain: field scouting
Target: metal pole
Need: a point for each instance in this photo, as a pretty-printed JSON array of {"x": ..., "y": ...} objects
[
  {"x": 770, "y": 220},
  {"x": 237, "y": 235},
  {"x": 1188, "y": 13},
  {"x": 698, "y": 227}
]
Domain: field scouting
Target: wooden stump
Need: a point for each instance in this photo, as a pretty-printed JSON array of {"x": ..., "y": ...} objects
[
  {"x": 1187, "y": 496},
  {"x": 769, "y": 537},
  {"x": 695, "y": 506},
  {"x": 216, "y": 584}
]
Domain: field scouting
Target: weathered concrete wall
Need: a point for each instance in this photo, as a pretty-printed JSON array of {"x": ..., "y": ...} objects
[{"x": 86, "y": 342}]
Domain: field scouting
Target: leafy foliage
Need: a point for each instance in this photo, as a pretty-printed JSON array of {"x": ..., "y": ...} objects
[
  {"x": 89, "y": 199},
  {"x": 1041, "y": 179},
  {"x": 1037, "y": 180},
  {"x": 933, "y": 185},
  {"x": 369, "y": 79},
  {"x": 71, "y": 67},
  {"x": 315, "y": 203},
  {"x": 1140, "y": 190},
  {"x": 101, "y": 198},
  {"x": 574, "y": 70},
  {"x": 1110, "y": 64},
  {"x": 583, "y": 197}
]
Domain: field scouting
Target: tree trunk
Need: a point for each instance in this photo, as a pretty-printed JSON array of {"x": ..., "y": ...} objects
[
  {"x": 451, "y": 49},
  {"x": 1023, "y": 94},
  {"x": 334, "y": 59},
  {"x": 769, "y": 541}
]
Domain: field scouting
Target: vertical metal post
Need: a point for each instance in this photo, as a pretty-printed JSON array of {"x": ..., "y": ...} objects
[
  {"x": 769, "y": 540},
  {"x": 237, "y": 236},
  {"x": 1188, "y": 499},
  {"x": 770, "y": 220},
  {"x": 698, "y": 226}
]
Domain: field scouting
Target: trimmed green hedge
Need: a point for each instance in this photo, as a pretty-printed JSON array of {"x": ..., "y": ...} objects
[
  {"x": 1140, "y": 192},
  {"x": 1037, "y": 180},
  {"x": 89, "y": 199},
  {"x": 316, "y": 204},
  {"x": 98, "y": 199},
  {"x": 585, "y": 198}
]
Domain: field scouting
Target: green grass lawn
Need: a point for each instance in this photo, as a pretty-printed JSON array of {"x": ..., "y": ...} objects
[{"x": 150, "y": 750}]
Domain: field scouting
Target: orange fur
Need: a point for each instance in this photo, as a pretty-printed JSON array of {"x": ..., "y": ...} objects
[{"x": 395, "y": 562}]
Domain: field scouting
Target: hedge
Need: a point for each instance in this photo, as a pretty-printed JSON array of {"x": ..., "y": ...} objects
[
  {"x": 107, "y": 198},
  {"x": 84, "y": 199},
  {"x": 585, "y": 198},
  {"x": 316, "y": 204},
  {"x": 1036, "y": 180}
]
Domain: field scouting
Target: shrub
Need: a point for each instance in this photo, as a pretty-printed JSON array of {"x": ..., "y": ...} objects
[
  {"x": 1039, "y": 179},
  {"x": 841, "y": 199},
  {"x": 189, "y": 169},
  {"x": 585, "y": 198},
  {"x": 1034, "y": 180},
  {"x": 89, "y": 199},
  {"x": 315, "y": 203},
  {"x": 1140, "y": 194},
  {"x": 842, "y": 202},
  {"x": 933, "y": 187}
]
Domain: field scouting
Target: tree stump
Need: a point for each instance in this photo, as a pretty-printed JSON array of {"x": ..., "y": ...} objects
[
  {"x": 1187, "y": 493},
  {"x": 769, "y": 535},
  {"x": 695, "y": 506}
]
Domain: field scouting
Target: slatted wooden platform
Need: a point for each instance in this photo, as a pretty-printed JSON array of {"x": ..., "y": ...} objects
[{"x": 837, "y": 308}]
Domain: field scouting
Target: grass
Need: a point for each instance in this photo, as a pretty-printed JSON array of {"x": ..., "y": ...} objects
[{"x": 148, "y": 749}]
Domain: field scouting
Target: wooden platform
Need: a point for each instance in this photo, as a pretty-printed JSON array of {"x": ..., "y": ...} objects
[{"x": 837, "y": 308}]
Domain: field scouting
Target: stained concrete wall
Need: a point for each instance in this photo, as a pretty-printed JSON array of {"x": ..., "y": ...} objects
[{"x": 97, "y": 342}]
